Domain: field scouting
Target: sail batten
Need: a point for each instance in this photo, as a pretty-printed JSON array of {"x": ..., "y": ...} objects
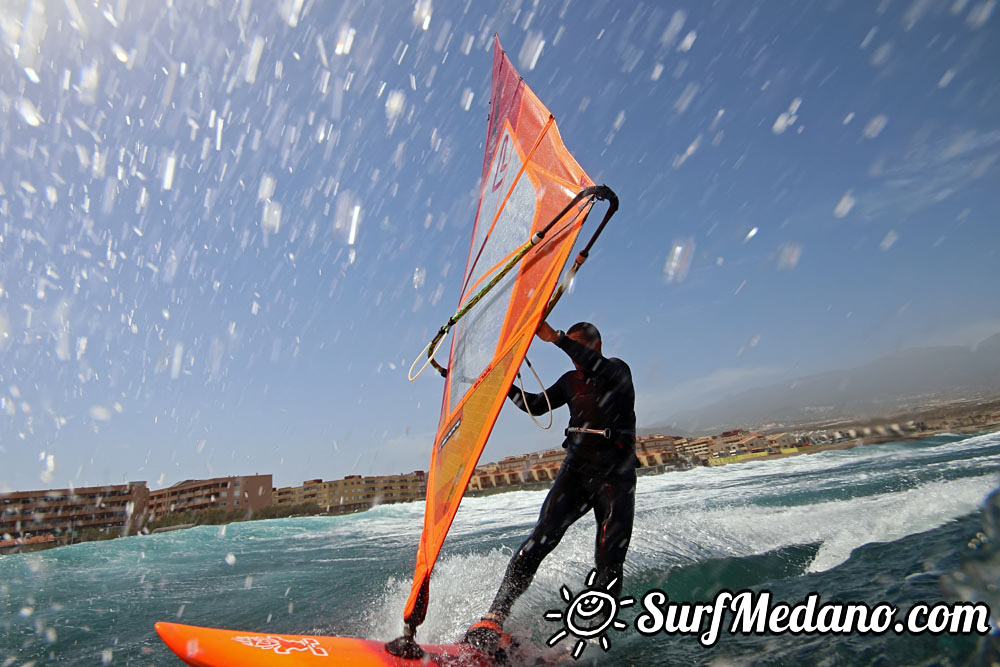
[{"x": 529, "y": 180}]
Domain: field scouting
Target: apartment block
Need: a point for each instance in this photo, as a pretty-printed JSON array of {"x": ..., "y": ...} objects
[
  {"x": 696, "y": 449},
  {"x": 311, "y": 491},
  {"x": 653, "y": 451},
  {"x": 355, "y": 492},
  {"x": 61, "y": 515},
  {"x": 658, "y": 450},
  {"x": 780, "y": 441},
  {"x": 248, "y": 492},
  {"x": 534, "y": 467}
]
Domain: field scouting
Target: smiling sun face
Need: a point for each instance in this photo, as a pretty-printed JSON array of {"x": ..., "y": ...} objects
[{"x": 588, "y": 615}]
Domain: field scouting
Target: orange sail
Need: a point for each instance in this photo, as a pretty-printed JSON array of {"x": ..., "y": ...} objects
[{"x": 534, "y": 198}]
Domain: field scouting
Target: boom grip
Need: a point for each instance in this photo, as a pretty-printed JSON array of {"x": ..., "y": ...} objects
[{"x": 603, "y": 193}]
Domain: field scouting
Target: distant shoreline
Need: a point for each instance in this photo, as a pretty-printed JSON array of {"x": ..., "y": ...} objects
[
  {"x": 811, "y": 449},
  {"x": 649, "y": 471},
  {"x": 960, "y": 420}
]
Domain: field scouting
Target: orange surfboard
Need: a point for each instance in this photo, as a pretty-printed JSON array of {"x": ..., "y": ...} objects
[{"x": 207, "y": 647}]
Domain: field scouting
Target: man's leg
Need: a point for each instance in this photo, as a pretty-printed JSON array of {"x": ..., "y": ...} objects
[
  {"x": 614, "y": 509},
  {"x": 565, "y": 503}
]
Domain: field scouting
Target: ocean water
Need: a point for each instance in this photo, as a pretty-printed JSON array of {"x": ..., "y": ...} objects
[{"x": 899, "y": 523}]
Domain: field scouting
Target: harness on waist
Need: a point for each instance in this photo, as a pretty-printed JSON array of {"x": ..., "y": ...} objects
[{"x": 607, "y": 433}]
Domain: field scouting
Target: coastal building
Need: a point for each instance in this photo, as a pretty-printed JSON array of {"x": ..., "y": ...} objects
[
  {"x": 360, "y": 492},
  {"x": 751, "y": 443},
  {"x": 780, "y": 441},
  {"x": 696, "y": 449},
  {"x": 514, "y": 470},
  {"x": 311, "y": 491},
  {"x": 355, "y": 492},
  {"x": 654, "y": 451},
  {"x": 658, "y": 450},
  {"x": 730, "y": 443},
  {"x": 490, "y": 476},
  {"x": 60, "y": 516},
  {"x": 248, "y": 492}
]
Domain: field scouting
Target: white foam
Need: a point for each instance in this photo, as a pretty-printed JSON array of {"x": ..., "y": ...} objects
[
  {"x": 714, "y": 512},
  {"x": 840, "y": 526}
]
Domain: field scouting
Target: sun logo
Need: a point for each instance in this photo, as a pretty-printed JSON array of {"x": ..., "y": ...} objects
[{"x": 588, "y": 615}]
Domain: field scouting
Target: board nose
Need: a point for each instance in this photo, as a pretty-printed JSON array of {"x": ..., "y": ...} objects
[{"x": 178, "y": 641}]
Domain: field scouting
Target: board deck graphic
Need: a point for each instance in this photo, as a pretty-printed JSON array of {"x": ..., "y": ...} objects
[{"x": 207, "y": 647}]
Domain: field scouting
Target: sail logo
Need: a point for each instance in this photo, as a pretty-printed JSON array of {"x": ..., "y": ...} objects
[
  {"x": 502, "y": 162},
  {"x": 283, "y": 645},
  {"x": 451, "y": 432},
  {"x": 588, "y": 615}
]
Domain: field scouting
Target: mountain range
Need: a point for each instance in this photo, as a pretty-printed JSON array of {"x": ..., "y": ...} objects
[{"x": 900, "y": 381}]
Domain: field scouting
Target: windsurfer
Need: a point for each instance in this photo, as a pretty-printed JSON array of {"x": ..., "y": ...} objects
[{"x": 597, "y": 473}]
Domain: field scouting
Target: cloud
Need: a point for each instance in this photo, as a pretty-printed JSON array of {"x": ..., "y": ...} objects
[{"x": 930, "y": 173}]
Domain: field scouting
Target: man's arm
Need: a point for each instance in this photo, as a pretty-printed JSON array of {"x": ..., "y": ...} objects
[
  {"x": 536, "y": 403},
  {"x": 547, "y": 333}
]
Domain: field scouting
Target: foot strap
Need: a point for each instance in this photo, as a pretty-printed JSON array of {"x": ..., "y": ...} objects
[
  {"x": 490, "y": 624},
  {"x": 487, "y": 623}
]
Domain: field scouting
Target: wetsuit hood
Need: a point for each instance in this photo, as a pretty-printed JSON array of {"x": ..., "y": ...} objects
[{"x": 585, "y": 334}]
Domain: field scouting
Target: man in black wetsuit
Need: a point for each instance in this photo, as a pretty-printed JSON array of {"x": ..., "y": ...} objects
[{"x": 598, "y": 472}]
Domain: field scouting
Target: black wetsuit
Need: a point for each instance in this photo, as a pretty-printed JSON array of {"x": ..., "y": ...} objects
[{"x": 598, "y": 473}]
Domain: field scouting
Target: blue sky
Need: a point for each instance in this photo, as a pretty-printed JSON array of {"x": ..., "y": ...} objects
[{"x": 225, "y": 232}]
